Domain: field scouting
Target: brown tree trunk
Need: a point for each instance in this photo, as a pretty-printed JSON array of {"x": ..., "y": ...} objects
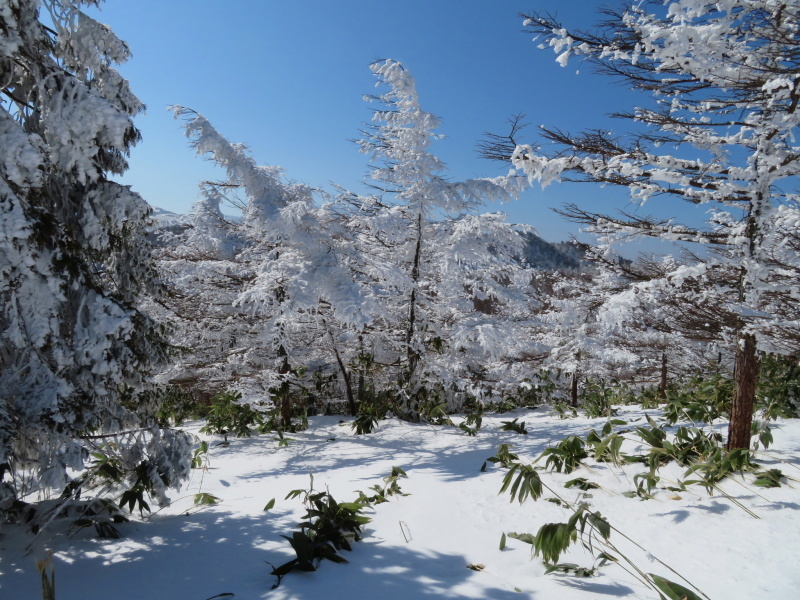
[
  {"x": 574, "y": 392},
  {"x": 413, "y": 356},
  {"x": 745, "y": 377},
  {"x": 662, "y": 388},
  {"x": 286, "y": 401},
  {"x": 361, "y": 381},
  {"x": 351, "y": 401}
]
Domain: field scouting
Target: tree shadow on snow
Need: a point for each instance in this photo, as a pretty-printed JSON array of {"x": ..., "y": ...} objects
[
  {"x": 606, "y": 589},
  {"x": 390, "y": 572},
  {"x": 197, "y": 556},
  {"x": 445, "y": 449}
]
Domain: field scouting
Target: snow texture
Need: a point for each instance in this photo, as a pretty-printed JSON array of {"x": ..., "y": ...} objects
[{"x": 419, "y": 545}]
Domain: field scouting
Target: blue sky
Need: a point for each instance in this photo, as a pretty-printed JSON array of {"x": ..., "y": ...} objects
[{"x": 287, "y": 78}]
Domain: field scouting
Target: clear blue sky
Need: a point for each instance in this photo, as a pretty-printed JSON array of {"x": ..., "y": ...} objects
[{"x": 287, "y": 77}]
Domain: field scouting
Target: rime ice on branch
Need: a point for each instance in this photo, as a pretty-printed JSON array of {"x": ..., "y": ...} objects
[
  {"x": 76, "y": 349},
  {"x": 724, "y": 91}
]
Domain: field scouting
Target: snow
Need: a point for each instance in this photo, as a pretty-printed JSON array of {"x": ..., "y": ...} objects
[{"x": 420, "y": 545}]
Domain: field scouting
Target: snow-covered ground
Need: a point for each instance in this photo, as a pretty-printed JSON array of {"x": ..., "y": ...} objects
[{"x": 419, "y": 546}]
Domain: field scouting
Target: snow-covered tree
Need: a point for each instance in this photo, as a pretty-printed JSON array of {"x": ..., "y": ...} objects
[
  {"x": 216, "y": 340},
  {"x": 302, "y": 288},
  {"x": 75, "y": 349},
  {"x": 718, "y": 132},
  {"x": 455, "y": 292}
]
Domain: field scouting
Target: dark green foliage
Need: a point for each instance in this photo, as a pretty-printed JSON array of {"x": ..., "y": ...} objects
[
  {"x": 700, "y": 450},
  {"x": 370, "y": 412},
  {"x": 605, "y": 449},
  {"x": 687, "y": 445},
  {"x": 514, "y": 426},
  {"x": 329, "y": 526},
  {"x": 671, "y": 590},
  {"x": 763, "y": 432},
  {"x": 648, "y": 397},
  {"x": 200, "y": 456},
  {"x": 778, "y": 392},
  {"x": 177, "y": 405},
  {"x": 770, "y": 478},
  {"x": 571, "y": 569},
  {"x": 365, "y": 423},
  {"x": 720, "y": 464},
  {"x": 582, "y": 484},
  {"x": 543, "y": 388},
  {"x": 504, "y": 456},
  {"x": 540, "y": 389},
  {"x": 206, "y": 499},
  {"x": 566, "y": 456},
  {"x": 598, "y": 396},
  {"x": 472, "y": 421},
  {"x": 102, "y": 514},
  {"x": 584, "y": 525},
  {"x": 564, "y": 412},
  {"x": 431, "y": 407},
  {"x": 700, "y": 400},
  {"x": 645, "y": 484},
  {"x": 522, "y": 481},
  {"x": 228, "y": 416},
  {"x": 389, "y": 488},
  {"x": 553, "y": 539},
  {"x": 527, "y": 538}
]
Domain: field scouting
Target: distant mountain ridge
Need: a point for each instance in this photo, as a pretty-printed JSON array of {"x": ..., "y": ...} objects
[
  {"x": 165, "y": 216},
  {"x": 537, "y": 253}
]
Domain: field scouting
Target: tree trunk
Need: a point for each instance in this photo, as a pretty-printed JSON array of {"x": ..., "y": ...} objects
[
  {"x": 412, "y": 354},
  {"x": 745, "y": 377},
  {"x": 351, "y": 401},
  {"x": 662, "y": 388},
  {"x": 574, "y": 391},
  {"x": 361, "y": 373},
  {"x": 286, "y": 401}
]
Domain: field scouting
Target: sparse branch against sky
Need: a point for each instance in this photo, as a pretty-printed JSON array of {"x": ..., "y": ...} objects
[{"x": 287, "y": 79}]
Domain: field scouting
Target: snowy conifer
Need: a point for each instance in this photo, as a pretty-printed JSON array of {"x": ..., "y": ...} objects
[
  {"x": 448, "y": 263},
  {"x": 723, "y": 82},
  {"x": 301, "y": 287},
  {"x": 74, "y": 347}
]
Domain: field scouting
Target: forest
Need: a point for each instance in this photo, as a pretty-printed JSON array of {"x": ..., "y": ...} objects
[{"x": 173, "y": 380}]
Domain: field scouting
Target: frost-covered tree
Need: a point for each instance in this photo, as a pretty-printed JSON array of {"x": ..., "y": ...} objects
[
  {"x": 216, "y": 340},
  {"x": 718, "y": 132},
  {"x": 301, "y": 289},
  {"x": 455, "y": 293},
  {"x": 388, "y": 293},
  {"x": 75, "y": 349}
]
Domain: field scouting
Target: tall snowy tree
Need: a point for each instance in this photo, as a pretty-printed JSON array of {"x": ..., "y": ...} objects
[
  {"x": 455, "y": 272},
  {"x": 724, "y": 92},
  {"x": 301, "y": 286},
  {"x": 75, "y": 349},
  {"x": 217, "y": 340}
]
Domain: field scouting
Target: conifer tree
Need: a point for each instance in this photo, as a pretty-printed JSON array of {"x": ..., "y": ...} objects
[
  {"x": 456, "y": 294},
  {"x": 75, "y": 263},
  {"x": 723, "y": 98}
]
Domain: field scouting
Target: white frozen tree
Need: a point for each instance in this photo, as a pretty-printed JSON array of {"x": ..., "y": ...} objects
[
  {"x": 217, "y": 341},
  {"x": 723, "y": 96},
  {"x": 75, "y": 349},
  {"x": 456, "y": 287},
  {"x": 302, "y": 287},
  {"x": 366, "y": 287}
]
